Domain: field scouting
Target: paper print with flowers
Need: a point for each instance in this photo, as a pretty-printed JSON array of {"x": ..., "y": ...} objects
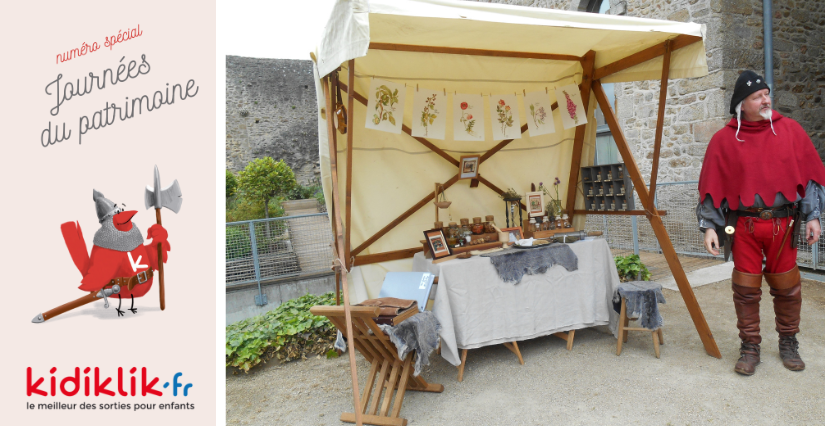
[
  {"x": 468, "y": 117},
  {"x": 429, "y": 114},
  {"x": 540, "y": 121},
  {"x": 385, "y": 108},
  {"x": 570, "y": 106},
  {"x": 504, "y": 111}
]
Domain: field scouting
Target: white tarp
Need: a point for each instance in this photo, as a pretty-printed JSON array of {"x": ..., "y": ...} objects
[{"x": 392, "y": 172}]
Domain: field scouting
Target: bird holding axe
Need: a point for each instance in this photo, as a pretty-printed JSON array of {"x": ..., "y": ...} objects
[{"x": 119, "y": 265}]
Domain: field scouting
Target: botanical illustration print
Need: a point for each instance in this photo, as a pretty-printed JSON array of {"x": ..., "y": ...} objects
[
  {"x": 429, "y": 113},
  {"x": 570, "y": 106},
  {"x": 385, "y": 106},
  {"x": 505, "y": 116},
  {"x": 538, "y": 114},
  {"x": 468, "y": 117},
  {"x": 504, "y": 109},
  {"x": 541, "y": 120},
  {"x": 430, "y": 118}
]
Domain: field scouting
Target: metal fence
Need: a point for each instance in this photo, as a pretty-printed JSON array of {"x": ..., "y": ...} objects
[
  {"x": 283, "y": 247},
  {"x": 631, "y": 234}
]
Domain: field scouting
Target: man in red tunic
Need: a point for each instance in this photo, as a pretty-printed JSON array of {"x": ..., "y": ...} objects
[{"x": 761, "y": 175}]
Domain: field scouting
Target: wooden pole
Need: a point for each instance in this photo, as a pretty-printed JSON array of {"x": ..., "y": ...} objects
[
  {"x": 332, "y": 204},
  {"x": 350, "y": 131},
  {"x": 658, "y": 227},
  {"x": 578, "y": 142},
  {"x": 471, "y": 52},
  {"x": 333, "y": 167},
  {"x": 660, "y": 123},
  {"x": 645, "y": 55}
]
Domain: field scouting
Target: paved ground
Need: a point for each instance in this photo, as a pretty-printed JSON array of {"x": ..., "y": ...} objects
[{"x": 586, "y": 386}]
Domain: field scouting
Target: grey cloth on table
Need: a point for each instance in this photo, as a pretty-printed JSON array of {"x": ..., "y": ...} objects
[
  {"x": 643, "y": 298},
  {"x": 512, "y": 264},
  {"x": 417, "y": 333}
]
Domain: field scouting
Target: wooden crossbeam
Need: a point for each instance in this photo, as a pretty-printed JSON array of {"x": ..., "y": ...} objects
[
  {"x": 403, "y": 216},
  {"x": 368, "y": 259},
  {"x": 660, "y": 123},
  {"x": 471, "y": 52},
  {"x": 497, "y": 190},
  {"x": 637, "y": 58},
  {"x": 658, "y": 226},
  {"x": 578, "y": 142},
  {"x": 333, "y": 166}
]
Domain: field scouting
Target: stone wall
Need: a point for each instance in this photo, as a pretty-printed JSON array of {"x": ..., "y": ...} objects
[
  {"x": 282, "y": 123},
  {"x": 697, "y": 108}
]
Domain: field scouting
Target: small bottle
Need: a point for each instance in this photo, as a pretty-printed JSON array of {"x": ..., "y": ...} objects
[
  {"x": 559, "y": 223},
  {"x": 532, "y": 227},
  {"x": 566, "y": 222}
]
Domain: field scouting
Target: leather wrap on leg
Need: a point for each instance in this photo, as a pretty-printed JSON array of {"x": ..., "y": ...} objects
[
  {"x": 747, "y": 292},
  {"x": 786, "y": 289}
]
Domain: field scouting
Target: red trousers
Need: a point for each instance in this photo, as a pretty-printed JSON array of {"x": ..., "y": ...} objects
[{"x": 756, "y": 239}]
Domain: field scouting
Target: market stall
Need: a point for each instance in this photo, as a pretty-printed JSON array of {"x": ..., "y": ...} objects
[{"x": 487, "y": 70}]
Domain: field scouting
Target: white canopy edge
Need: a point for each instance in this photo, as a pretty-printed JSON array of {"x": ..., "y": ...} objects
[{"x": 443, "y": 23}]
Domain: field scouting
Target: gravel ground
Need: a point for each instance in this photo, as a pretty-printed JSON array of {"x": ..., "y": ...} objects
[{"x": 585, "y": 386}]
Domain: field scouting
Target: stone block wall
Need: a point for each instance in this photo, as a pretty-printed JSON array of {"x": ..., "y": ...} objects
[
  {"x": 697, "y": 108},
  {"x": 282, "y": 122}
]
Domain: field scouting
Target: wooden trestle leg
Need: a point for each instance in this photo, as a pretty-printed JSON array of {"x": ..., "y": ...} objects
[{"x": 390, "y": 379}]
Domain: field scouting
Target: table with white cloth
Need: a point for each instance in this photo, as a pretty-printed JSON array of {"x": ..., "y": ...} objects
[{"x": 476, "y": 308}]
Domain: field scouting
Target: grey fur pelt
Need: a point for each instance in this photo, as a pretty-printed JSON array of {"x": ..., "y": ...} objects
[
  {"x": 643, "y": 298},
  {"x": 417, "y": 333},
  {"x": 512, "y": 264}
]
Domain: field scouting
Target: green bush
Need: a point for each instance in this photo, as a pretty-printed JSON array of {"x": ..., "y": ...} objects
[
  {"x": 629, "y": 268},
  {"x": 241, "y": 208},
  {"x": 264, "y": 179},
  {"x": 287, "y": 332},
  {"x": 231, "y": 184}
]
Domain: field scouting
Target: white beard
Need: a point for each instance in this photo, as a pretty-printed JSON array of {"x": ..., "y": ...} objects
[{"x": 766, "y": 113}]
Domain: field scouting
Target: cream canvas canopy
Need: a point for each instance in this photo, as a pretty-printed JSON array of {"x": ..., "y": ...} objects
[{"x": 379, "y": 186}]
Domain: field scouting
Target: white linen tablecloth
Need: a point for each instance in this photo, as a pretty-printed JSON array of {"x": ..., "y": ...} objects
[{"x": 476, "y": 308}]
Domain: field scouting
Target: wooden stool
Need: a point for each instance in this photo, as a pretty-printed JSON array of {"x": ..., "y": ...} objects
[{"x": 623, "y": 329}]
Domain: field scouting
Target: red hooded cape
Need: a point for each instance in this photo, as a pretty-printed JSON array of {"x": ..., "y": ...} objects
[{"x": 763, "y": 164}]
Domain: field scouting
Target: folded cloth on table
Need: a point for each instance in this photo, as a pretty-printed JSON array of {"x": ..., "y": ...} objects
[
  {"x": 511, "y": 265},
  {"x": 527, "y": 242},
  {"x": 417, "y": 333},
  {"x": 643, "y": 298}
]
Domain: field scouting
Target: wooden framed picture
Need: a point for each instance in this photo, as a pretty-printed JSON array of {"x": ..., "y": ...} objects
[
  {"x": 515, "y": 233},
  {"x": 535, "y": 204},
  {"x": 468, "y": 166},
  {"x": 438, "y": 244}
]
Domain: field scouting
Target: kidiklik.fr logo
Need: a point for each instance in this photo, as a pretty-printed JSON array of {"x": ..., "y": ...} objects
[{"x": 97, "y": 385}]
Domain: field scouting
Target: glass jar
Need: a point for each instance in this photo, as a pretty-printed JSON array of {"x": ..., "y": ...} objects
[
  {"x": 559, "y": 223},
  {"x": 566, "y": 222},
  {"x": 452, "y": 236},
  {"x": 532, "y": 226}
]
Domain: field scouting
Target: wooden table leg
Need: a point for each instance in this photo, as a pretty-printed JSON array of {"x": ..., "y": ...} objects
[
  {"x": 656, "y": 342},
  {"x": 513, "y": 347},
  {"x": 661, "y": 339},
  {"x": 622, "y": 325},
  {"x": 461, "y": 367},
  {"x": 567, "y": 337}
]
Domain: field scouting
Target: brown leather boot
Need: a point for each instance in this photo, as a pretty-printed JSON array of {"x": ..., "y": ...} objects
[
  {"x": 786, "y": 289},
  {"x": 747, "y": 292},
  {"x": 789, "y": 352},
  {"x": 749, "y": 358}
]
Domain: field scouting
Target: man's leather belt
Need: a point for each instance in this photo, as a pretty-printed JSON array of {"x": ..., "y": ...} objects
[
  {"x": 767, "y": 213},
  {"x": 130, "y": 282}
]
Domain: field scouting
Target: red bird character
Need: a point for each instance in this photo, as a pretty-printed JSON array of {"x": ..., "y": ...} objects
[{"x": 119, "y": 257}]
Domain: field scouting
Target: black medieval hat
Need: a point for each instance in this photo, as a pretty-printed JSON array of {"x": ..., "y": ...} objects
[{"x": 747, "y": 83}]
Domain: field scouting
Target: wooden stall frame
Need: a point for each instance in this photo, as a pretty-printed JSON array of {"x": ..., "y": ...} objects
[{"x": 590, "y": 81}]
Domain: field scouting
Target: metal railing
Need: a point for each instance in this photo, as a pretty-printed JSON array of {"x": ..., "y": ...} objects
[
  {"x": 283, "y": 247},
  {"x": 631, "y": 234}
]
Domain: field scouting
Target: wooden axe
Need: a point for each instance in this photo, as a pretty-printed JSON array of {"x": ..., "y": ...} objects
[{"x": 169, "y": 197}]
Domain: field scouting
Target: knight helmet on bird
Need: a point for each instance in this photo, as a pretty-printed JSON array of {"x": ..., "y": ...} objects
[{"x": 118, "y": 257}]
